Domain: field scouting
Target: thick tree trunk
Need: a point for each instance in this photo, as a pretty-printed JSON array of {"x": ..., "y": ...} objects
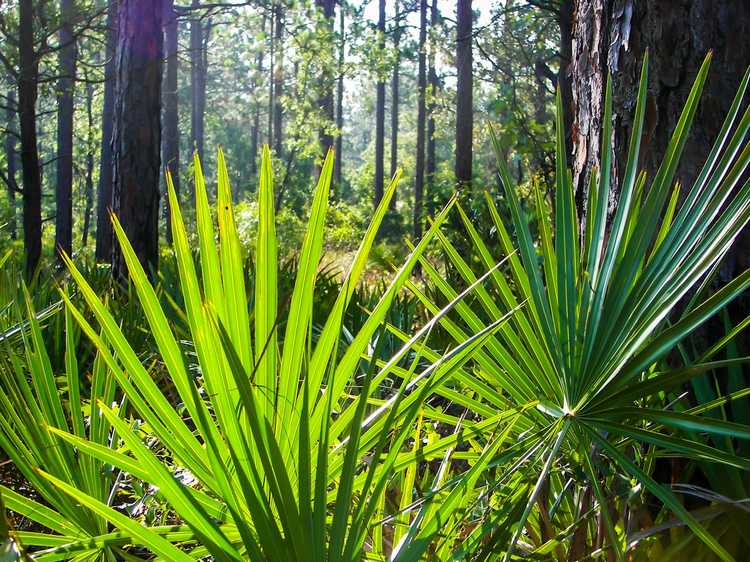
[
  {"x": 327, "y": 8},
  {"x": 464, "y": 94},
  {"x": 104, "y": 190},
  {"x": 10, "y": 158},
  {"x": 32, "y": 178},
  {"x": 380, "y": 113},
  {"x": 431, "y": 159},
  {"x": 137, "y": 129},
  {"x": 340, "y": 102},
  {"x": 89, "y": 163},
  {"x": 611, "y": 36},
  {"x": 171, "y": 155},
  {"x": 197, "y": 83},
  {"x": 65, "y": 91},
  {"x": 421, "y": 114},
  {"x": 278, "y": 80}
]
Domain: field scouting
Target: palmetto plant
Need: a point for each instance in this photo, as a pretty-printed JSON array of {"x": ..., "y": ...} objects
[
  {"x": 588, "y": 352},
  {"x": 288, "y": 447}
]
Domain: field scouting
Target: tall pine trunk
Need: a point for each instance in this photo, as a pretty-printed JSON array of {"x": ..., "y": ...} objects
[
  {"x": 278, "y": 79},
  {"x": 197, "y": 83},
  {"x": 137, "y": 129},
  {"x": 28, "y": 82},
  {"x": 90, "y": 155},
  {"x": 104, "y": 191},
  {"x": 431, "y": 158},
  {"x": 65, "y": 91},
  {"x": 10, "y": 158},
  {"x": 325, "y": 102},
  {"x": 395, "y": 95},
  {"x": 255, "y": 130},
  {"x": 421, "y": 111},
  {"x": 464, "y": 94},
  {"x": 171, "y": 104},
  {"x": 340, "y": 102},
  {"x": 380, "y": 112}
]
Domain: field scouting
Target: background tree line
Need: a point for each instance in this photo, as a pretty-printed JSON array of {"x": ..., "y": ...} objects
[{"x": 99, "y": 97}]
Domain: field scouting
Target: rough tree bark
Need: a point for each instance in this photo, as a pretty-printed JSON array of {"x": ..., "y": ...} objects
[
  {"x": 421, "y": 113},
  {"x": 432, "y": 79},
  {"x": 104, "y": 190},
  {"x": 10, "y": 158},
  {"x": 137, "y": 129},
  {"x": 171, "y": 155},
  {"x": 28, "y": 81},
  {"x": 380, "y": 113},
  {"x": 340, "y": 101},
  {"x": 611, "y": 36},
  {"x": 464, "y": 94},
  {"x": 197, "y": 83},
  {"x": 65, "y": 91}
]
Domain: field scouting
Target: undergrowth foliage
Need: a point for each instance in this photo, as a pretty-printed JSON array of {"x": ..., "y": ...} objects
[{"x": 523, "y": 419}]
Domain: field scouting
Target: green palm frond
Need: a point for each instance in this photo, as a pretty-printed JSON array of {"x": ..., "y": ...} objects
[{"x": 591, "y": 345}]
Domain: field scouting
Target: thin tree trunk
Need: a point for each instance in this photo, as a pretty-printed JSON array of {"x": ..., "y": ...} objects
[
  {"x": 89, "y": 163},
  {"x": 32, "y": 179},
  {"x": 197, "y": 84},
  {"x": 278, "y": 81},
  {"x": 565, "y": 24},
  {"x": 65, "y": 91},
  {"x": 255, "y": 130},
  {"x": 421, "y": 111},
  {"x": 10, "y": 158},
  {"x": 464, "y": 94},
  {"x": 104, "y": 191},
  {"x": 271, "y": 74},
  {"x": 171, "y": 105},
  {"x": 431, "y": 159},
  {"x": 337, "y": 169},
  {"x": 137, "y": 129},
  {"x": 327, "y": 8},
  {"x": 380, "y": 112},
  {"x": 395, "y": 96}
]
